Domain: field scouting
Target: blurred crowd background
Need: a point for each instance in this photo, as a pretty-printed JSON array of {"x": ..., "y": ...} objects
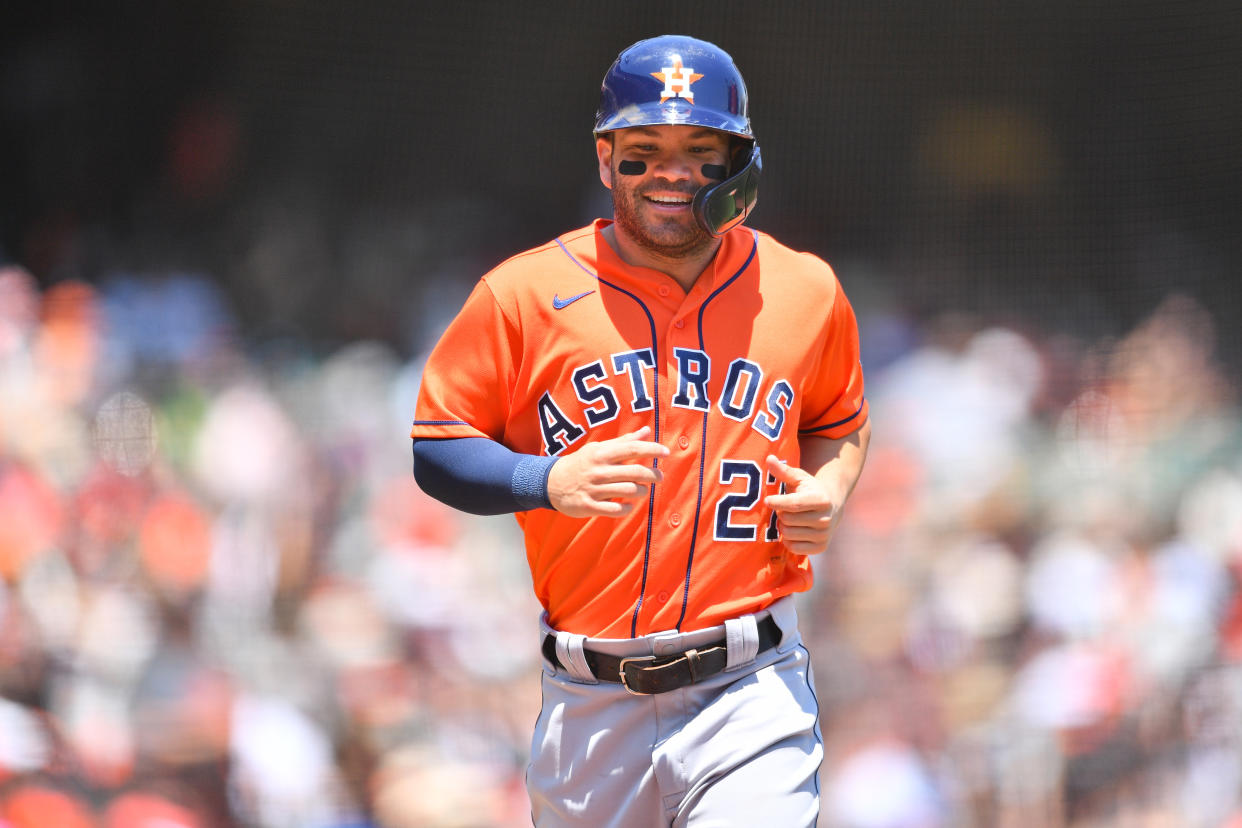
[{"x": 230, "y": 231}]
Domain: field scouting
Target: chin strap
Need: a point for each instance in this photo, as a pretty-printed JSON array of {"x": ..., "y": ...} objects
[{"x": 721, "y": 207}]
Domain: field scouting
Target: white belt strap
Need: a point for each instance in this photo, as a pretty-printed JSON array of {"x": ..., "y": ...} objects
[
  {"x": 741, "y": 641},
  {"x": 569, "y": 653}
]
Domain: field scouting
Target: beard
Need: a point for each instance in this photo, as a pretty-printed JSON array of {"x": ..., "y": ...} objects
[{"x": 671, "y": 237}]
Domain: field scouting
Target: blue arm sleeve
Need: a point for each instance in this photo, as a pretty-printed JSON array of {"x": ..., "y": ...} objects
[{"x": 481, "y": 476}]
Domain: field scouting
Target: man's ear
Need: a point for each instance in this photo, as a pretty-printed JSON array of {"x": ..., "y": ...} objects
[{"x": 603, "y": 150}]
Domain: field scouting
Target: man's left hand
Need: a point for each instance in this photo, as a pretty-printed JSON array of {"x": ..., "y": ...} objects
[{"x": 806, "y": 513}]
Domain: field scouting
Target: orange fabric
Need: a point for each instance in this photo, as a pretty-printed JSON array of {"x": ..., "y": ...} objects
[
  {"x": 138, "y": 809},
  {"x": 765, "y": 341},
  {"x": 33, "y": 517},
  {"x": 33, "y": 806},
  {"x": 175, "y": 543}
]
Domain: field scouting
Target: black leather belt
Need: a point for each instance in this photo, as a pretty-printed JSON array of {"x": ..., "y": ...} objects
[{"x": 647, "y": 675}]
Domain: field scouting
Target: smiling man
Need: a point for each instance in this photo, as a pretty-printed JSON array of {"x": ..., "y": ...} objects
[
  {"x": 654, "y": 173},
  {"x": 672, "y": 406}
]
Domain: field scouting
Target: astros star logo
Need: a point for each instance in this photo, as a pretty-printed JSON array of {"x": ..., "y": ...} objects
[{"x": 677, "y": 80}]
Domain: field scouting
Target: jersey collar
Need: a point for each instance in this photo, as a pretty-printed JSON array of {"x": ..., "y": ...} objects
[{"x": 591, "y": 250}]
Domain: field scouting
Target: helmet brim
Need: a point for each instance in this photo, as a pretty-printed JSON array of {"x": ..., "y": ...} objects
[{"x": 673, "y": 112}]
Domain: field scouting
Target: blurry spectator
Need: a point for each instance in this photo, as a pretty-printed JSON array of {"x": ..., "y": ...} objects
[{"x": 36, "y": 806}]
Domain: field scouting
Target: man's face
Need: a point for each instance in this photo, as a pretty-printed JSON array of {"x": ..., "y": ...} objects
[{"x": 652, "y": 206}]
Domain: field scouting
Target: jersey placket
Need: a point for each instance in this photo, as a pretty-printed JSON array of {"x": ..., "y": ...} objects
[{"x": 684, "y": 399}]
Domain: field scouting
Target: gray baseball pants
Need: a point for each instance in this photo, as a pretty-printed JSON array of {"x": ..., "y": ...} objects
[{"x": 742, "y": 748}]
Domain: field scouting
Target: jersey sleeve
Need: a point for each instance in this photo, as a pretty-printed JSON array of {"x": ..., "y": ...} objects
[
  {"x": 835, "y": 404},
  {"x": 468, "y": 378}
]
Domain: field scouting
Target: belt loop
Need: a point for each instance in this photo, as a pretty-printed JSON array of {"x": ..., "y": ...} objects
[
  {"x": 569, "y": 653},
  {"x": 692, "y": 661},
  {"x": 741, "y": 641},
  {"x": 785, "y": 614}
]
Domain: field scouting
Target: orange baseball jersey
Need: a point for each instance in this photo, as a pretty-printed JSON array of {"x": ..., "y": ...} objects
[{"x": 566, "y": 344}]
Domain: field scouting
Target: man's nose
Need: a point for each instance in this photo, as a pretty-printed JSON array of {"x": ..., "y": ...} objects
[{"x": 673, "y": 168}]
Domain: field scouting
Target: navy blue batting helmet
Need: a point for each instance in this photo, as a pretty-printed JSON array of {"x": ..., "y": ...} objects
[{"x": 674, "y": 79}]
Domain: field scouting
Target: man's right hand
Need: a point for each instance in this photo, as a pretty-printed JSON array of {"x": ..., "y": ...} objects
[{"x": 607, "y": 478}]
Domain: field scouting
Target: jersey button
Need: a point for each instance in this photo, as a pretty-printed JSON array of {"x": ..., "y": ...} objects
[
  {"x": 680, "y": 323},
  {"x": 683, "y": 441},
  {"x": 664, "y": 291},
  {"x": 662, "y": 597},
  {"x": 674, "y": 519}
]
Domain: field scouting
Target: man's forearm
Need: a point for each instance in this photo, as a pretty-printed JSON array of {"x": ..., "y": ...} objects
[
  {"x": 481, "y": 476},
  {"x": 837, "y": 463}
]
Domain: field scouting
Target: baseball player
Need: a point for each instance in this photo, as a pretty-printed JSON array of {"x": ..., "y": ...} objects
[{"x": 672, "y": 405}]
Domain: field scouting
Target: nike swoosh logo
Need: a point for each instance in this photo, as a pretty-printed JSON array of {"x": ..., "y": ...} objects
[{"x": 558, "y": 302}]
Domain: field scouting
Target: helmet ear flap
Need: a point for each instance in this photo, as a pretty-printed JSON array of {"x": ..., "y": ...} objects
[{"x": 719, "y": 208}]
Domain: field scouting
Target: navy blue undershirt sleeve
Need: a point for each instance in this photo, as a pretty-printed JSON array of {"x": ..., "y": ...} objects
[{"x": 481, "y": 476}]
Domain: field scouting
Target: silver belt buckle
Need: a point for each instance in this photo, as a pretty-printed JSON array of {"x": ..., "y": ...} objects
[{"x": 627, "y": 661}]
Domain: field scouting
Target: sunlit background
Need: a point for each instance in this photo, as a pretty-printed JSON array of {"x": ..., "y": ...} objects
[{"x": 229, "y": 232}]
